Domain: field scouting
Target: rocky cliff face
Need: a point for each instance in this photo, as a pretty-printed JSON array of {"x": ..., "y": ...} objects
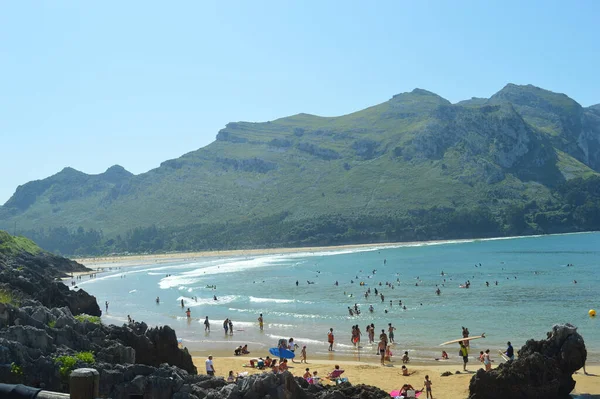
[
  {"x": 570, "y": 127},
  {"x": 543, "y": 370},
  {"x": 34, "y": 276}
]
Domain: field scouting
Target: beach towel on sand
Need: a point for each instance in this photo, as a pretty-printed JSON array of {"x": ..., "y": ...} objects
[{"x": 396, "y": 394}]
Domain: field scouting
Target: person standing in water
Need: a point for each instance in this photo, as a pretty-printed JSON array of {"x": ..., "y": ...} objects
[
  {"x": 157, "y": 300},
  {"x": 391, "y": 332},
  {"x": 330, "y": 339},
  {"x": 226, "y": 325},
  {"x": 182, "y": 305},
  {"x": 260, "y": 322},
  {"x": 188, "y": 313},
  {"x": 106, "y": 304},
  {"x": 206, "y": 324}
]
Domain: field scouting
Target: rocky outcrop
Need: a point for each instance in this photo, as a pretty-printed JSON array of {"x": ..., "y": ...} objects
[
  {"x": 170, "y": 382},
  {"x": 543, "y": 369},
  {"x": 31, "y": 332},
  {"x": 34, "y": 276}
]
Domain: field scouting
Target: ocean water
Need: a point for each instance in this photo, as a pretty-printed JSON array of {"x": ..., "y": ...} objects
[{"x": 535, "y": 290}]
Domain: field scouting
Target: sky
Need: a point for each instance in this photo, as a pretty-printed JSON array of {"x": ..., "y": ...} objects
[{"x": 134, "y": 83}]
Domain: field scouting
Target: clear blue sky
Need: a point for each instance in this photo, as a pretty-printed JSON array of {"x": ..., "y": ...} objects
[{"x": 93, "y": 84}]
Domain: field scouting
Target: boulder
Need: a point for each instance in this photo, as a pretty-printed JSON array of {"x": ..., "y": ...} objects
[{"x": 543, "y": 369}]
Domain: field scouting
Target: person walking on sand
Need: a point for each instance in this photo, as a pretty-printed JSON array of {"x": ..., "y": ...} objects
[
  {"x": 206, "y": 324},
  {"x": 303, "y": 355},
  {"x": 465, "y": 355},
  {"x": 330, "y": 339},
  {"x": 260, "y": 322},
  {"x": 486, "y": 360},
  {"x": 210, "y": 369},
  {"x": 427, "y": 383}
]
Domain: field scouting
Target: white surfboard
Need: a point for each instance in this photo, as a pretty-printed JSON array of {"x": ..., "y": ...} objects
[{"x": 463, "y": 339}]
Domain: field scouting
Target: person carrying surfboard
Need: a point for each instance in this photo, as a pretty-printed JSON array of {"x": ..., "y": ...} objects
[{"x": 465, "y": 354}]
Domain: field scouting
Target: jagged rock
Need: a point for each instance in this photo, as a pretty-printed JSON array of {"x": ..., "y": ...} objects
[
  {"x": 29, "y": 336},
  {"x": 117, "y": 353},
  {"x": 33, "y": 277},
  {"x": 543, "y": 369}
]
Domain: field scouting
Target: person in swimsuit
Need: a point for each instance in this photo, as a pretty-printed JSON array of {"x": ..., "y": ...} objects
[
  {"x": 486, "y": 360},
  {"x": 381, "y": 349},
  {"x": 260, "y": 322},
  {"x": 391, "y": 332}
]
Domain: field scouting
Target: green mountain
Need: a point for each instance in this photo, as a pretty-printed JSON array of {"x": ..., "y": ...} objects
[{"x": 404, "y": 160}]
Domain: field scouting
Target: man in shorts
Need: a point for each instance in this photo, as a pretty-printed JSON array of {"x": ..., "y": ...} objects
[
  {"x": 465, "y": 355},
  {"x": 210, "y": 369}
]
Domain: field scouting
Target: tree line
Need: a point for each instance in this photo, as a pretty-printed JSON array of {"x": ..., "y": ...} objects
[{"x": 575, "y": 207}]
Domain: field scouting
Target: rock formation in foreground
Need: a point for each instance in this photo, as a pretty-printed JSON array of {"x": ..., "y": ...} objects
[
  {"x": 36, "y": 276},
  {"x": 544, "y": 369},
  {"x": 35, "y": 340}
]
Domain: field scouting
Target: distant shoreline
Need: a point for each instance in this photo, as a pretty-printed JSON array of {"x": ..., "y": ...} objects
[{"x": 139, "y": 259}]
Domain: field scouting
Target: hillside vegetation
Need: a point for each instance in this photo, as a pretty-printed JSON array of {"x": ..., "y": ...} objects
[
  {"x": 10, "y": 245},
  {"x": 414, "y": 167}
]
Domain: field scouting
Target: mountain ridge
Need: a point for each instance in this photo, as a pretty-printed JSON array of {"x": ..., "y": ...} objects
[{"x": 414, "y": 152}]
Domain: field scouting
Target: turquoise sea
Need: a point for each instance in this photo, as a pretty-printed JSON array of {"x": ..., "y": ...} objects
[{"x": 535, "y": 290}]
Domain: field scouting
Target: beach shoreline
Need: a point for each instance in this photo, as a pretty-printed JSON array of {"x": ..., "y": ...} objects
[{"x": 155, "y": 259}]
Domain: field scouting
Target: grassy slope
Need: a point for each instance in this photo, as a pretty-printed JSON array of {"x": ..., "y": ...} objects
[
  {"x": 12, "y": 245},
  {"x": 204, "y": 188}
]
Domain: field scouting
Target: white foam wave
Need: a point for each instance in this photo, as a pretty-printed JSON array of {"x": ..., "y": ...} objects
[
  {"x": 273, "y": 300},
  {"x": 132, "y": 291},
  {"x": 189, "y": 302},
  {"x": 300, "y": 341}
]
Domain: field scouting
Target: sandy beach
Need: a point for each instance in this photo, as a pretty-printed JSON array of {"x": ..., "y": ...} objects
[
  {"x": 148, "y": 259},
  {"x": 390, "y": 377}
]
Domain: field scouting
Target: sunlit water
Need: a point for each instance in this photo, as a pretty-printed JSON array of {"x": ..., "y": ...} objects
[{"x": 535, "y": 290}]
